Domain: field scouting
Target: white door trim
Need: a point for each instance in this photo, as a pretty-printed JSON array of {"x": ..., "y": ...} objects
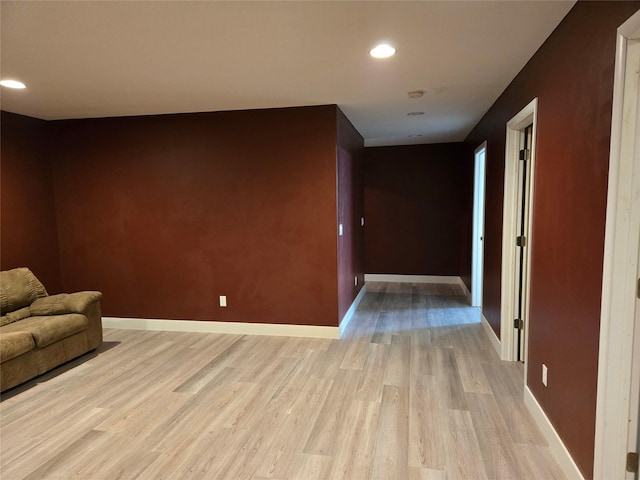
[
  {"x": 528, "y": 115},
  {"x": 478, "y": 225},
  {"x": 619, "y": 278}
]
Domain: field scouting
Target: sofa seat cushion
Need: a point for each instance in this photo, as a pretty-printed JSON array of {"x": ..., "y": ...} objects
[
  {"x": 14, "y": 344},
  {"x": 50, "y": 329}
]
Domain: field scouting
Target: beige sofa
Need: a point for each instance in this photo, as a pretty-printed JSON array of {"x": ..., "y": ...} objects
[{"x": 39, "y": 331}]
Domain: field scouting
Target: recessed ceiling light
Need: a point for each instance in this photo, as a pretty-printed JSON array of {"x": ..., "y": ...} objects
[
  {"x": 412, "y": 114},
  {"x": 384, "y": 50},
  {"x": 12, "y": 84}
]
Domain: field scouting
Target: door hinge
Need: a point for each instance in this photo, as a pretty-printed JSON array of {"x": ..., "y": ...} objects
[
  {"x": 518, "y": 323},
  {"x": 638, "y": 289},
  {"x": 521, "y": 241},
  {"x": 632, "y": 462},
  {"x": 524, "y": 154}
]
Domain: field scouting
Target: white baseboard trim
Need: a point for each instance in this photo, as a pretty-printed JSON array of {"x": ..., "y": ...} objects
[
  {"x": 556, "y": 445},
  {"x": 352, "y": 310},
  {"x": 236, "y": 328},
  {"x": 382, "y": 277},
  {"x": 491, "y": 334},
  {"x": 465, "y": 290}
]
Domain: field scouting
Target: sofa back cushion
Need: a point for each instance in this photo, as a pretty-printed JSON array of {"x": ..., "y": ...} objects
[{"x": 19, "y": 288}]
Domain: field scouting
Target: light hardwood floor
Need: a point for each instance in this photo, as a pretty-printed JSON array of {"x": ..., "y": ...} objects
[{"x": 414, "y": 392}]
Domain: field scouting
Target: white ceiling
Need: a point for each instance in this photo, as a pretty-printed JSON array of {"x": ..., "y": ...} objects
[{"x": 99, "y": 59}]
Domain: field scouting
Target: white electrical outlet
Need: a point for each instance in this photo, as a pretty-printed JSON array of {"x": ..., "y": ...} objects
[
  {"x": 340, "y": 229},
  {"x": 223, "y": 300},
  {"x": 544, "y": 374},
  {"x": 355, "y": 280}
]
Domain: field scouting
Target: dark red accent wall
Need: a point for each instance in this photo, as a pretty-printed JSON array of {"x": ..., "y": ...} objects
[
  {"x": 165, "y": 213},
  {"x": 27, "y": 209},
  {"x": 417, "y": 209},
  {"x": 350, "y": 152},
  {"x": 572, "y": 77}
]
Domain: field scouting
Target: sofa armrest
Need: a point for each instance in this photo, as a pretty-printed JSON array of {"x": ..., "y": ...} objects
[{"x": 64, "y": 303}]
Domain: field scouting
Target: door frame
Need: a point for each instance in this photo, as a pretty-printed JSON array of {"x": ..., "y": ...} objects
[
  {"x": 527, "y": 116},
  {"x": 617, "y": 320},
  {"x": 477, "y": 264}
]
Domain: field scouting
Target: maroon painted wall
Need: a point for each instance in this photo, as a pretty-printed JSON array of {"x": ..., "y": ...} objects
[
  {"x": 350, "y": 152},
  {"x": 417, "y": 209},
  {"x": 165, "y": 213},
  {"x": 572, "y": 76},
  {"x": 27, "y": 211}
]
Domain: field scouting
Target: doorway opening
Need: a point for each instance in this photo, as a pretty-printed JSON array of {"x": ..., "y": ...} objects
[
  {"x": 617, "y": 435},
  {"x": 516, "y": 232},
  {"x": 522, "y": 229},
  {"x": 478, "y": 225}
]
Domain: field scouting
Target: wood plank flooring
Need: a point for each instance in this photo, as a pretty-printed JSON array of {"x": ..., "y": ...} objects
[{"x": 414, "y": 392}]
